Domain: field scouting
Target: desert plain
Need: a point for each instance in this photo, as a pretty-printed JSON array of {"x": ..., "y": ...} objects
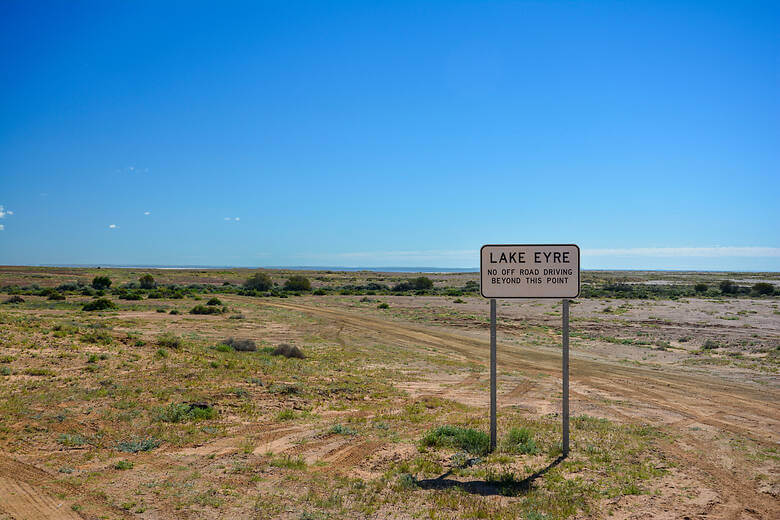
[{"x": 144, "y": 409}]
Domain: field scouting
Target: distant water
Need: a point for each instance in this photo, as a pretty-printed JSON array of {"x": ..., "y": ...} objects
[{"x": 291, "y": 267}]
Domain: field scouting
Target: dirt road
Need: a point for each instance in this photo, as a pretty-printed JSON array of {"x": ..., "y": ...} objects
[{"x": 683, "y": 403}]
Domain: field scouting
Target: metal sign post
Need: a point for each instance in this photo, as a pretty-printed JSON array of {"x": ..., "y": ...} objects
[
  {"x": 565, "y": 377},
  {"x": 492, "y": 374},
  {"x": 530, "y": 271}
]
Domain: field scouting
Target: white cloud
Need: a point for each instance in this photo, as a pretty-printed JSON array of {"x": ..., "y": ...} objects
[
  {"x": 112, "y": 226},
  {"x": 147, "y": 212},
  {"x": 3, "y": 213},
  {"x": 2, "y": 227},
  {"x": 235, "y": 219},
  {"x": 9, "y": 212},
  {"x": 711, "y": 252}
]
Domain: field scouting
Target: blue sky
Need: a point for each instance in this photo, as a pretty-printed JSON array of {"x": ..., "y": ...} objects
[{"x": 392, "y": 133}]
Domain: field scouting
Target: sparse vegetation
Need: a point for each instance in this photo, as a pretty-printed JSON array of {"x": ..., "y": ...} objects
[
  {"x": 457, "y": 437},
  {"x": 297, "y": 283},
  {"x": 241, "y": 345},
  {"x": 288, "y": 351},
  {"x": 147, "y": 282},
  {"x": 100, "y": 304},
  {"x": 101, "y": 283},
  {"x": 259, "y": 282}
]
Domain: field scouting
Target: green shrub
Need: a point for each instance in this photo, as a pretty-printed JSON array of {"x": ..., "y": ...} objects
[
  {"x": 170, "y": 341},
  {"x": 764, "y": 289},
  {"x": 710, "y": 345},
  {"x": 5, "y": 371},
  {"x": 101, "y": 283},
  {"x": 147, "y": 281},
  {"x": 297, "y": 283},
  {"x": 259, "y": 282},
  {"x": 14, "y": 299},
  {"x": 136, "y": 445},
  {"x": 71, "y": 439},
  {"x": 728, "y": 287},
  {"x": 383, "y": 305},
  {"x": 185, "y": 412},
  {"x": 223, "y": 348},
  {"x": 214, "y": 301},
  {"x": 519, "y": 440},
  {"x": 55, "y": 296},
  {"x": 99, "y": 304},
  {"x": 203, "y": 309},
  {"x": 468, "y": 439},
  {"x": 123, "y": 465},
  {"x": 340, "y": 429},
  {"x": 700, "y": 288},
  {"x": 285, "y": 415}
]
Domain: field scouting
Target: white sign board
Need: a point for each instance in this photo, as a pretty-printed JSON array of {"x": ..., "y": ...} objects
[{"x": 530, "y": 271}]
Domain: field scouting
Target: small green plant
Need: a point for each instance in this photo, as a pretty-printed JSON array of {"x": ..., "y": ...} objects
[
  {"x": 123, "y": 465},
  {"x": 71, "y": 440},
  {"x": 99, "y": 304},
  {"x": 289, "y": 462},
  {"x": 223, "y": 348},
  {"x": 468, "y": 439},
  {"x": 161, "y": 353},
  {"x": 285, "y": 415},
  {"x": 710, "y": 345},
  {"x": 214, "y": 301},
  {"x": 170, "y": 341},
  {"x": 5, "y": 371},
  {"x": 137, "y": 445},
  {"x": 203, "y": 309},
  {"x": 383, "y": 305},
  {"x": 185, "y": 412},
  {"x": 519, "y": 440},
  {"x": 340, "y": 429}
]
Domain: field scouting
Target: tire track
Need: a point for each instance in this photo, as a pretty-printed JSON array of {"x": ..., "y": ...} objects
[{"x": 25, "y": 494}]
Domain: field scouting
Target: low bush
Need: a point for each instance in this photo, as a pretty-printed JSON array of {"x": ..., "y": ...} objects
[
  {"x": 383, "y": 305},
  {"x": 710, "y": 345},
  {"x": 170, "y": 341},
  {"x": 764, "y": 289},
  {"x": 123, "y": 465},
  {"x": 468, "y": 439},
  {"x": 340, "y": 429},
  {"x": 55, "y": 296},
  {"x": 99, "y": 304},
  {"x": 101, "y": 282},
  {"x": 297, "y": 283},
  {"x": 136, "y": 445},
  {"x": 147, "y": 281},
  {"x": 288, "y": 351},
  {"x": 185, "y": 412},
  {"x": 700, "y": 288},
  {"x": 241, "y": 345},
  {"x": 519, "y": 440},
  {"x": 14, "y": 299},
  {"x": 203, "y": 309},
  {"x": 259, "y": 282},
  {"x": 214, "y": 301}
]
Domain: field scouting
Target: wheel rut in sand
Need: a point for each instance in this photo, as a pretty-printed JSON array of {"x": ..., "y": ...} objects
[
  {"x": 26, "y": 494},
  {"x": 662, "y": 395}
]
